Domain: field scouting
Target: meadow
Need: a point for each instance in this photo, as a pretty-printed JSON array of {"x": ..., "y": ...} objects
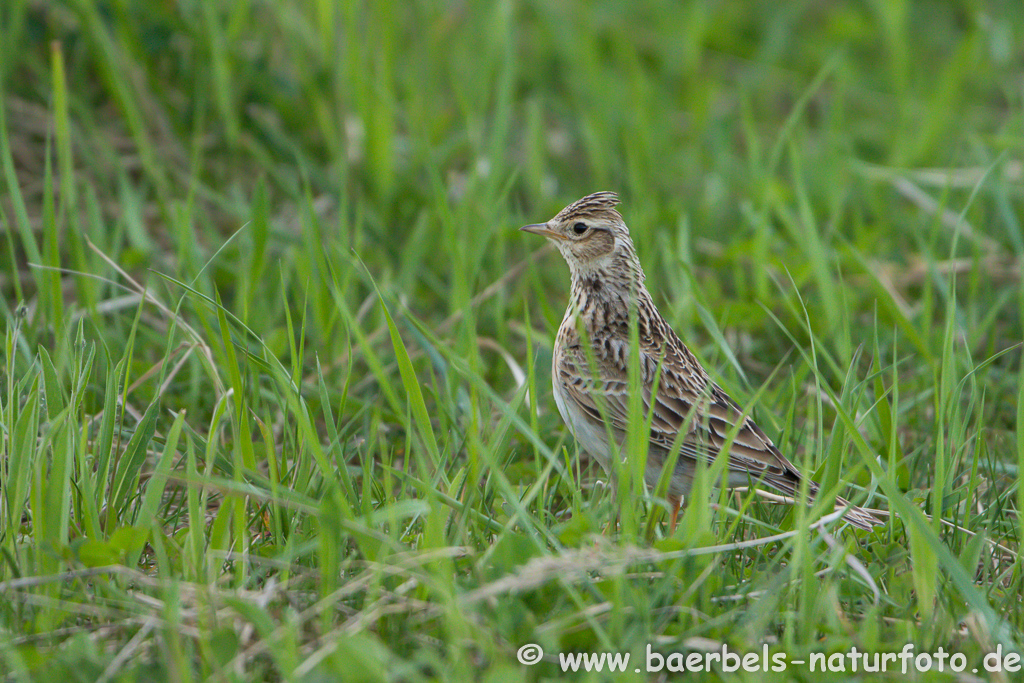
[{"x": 275, "y": 397}]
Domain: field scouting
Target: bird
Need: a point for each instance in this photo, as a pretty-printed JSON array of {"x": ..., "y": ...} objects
[{"x": 591, "y": 386}]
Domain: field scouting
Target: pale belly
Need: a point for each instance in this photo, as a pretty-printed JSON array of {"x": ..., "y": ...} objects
[{"x": 593, "y": 438}]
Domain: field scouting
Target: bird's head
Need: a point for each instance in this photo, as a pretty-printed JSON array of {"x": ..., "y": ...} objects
[{"x": 592, "y": 237}]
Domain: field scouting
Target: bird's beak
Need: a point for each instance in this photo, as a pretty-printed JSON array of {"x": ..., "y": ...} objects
[{"x": 543, "y": 230}]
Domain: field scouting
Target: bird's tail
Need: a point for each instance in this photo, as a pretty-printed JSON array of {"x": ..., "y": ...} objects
[{"x": 858, "y": 517}]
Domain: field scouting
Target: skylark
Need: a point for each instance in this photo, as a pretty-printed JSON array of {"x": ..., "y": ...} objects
[{"x": 607, "y": 281}]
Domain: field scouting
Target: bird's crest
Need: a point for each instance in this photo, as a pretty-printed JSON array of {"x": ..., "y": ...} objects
[{"x": 597, "y": 205}]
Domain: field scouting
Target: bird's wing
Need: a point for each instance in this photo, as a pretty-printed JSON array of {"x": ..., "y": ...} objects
[{"x": 681, "y": 386}]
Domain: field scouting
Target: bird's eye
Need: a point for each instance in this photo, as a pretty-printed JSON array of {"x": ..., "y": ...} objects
[{"x": 579, "y": 228}]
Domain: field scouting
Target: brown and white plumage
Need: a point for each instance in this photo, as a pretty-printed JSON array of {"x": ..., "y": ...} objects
[{"x": 606, "y": 281}]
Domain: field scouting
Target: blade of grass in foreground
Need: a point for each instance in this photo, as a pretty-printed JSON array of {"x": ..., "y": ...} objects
[{"x": 412, "y": 389}]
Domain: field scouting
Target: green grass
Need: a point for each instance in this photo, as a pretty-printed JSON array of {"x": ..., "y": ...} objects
[{"x": 274, "y": 393}]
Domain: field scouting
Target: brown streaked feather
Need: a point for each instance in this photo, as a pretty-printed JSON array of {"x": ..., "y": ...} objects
[
  {"x": 676, "y": 397},
  {"x": 751, "y": 455}
]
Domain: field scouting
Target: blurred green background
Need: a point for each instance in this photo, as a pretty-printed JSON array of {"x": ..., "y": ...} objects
[{"x": 333, "y": 434}]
